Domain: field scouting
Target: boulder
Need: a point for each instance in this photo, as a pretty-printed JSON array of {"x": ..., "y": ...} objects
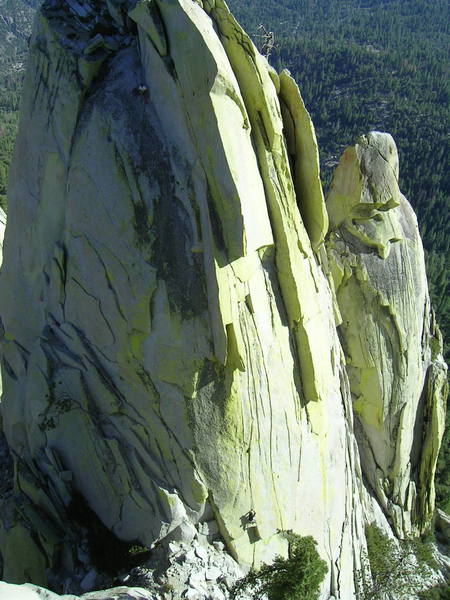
[{"x": 26, "y": 591}]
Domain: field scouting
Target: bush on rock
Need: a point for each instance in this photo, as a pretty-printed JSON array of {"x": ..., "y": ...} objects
[{"x": 297, "y": 577}]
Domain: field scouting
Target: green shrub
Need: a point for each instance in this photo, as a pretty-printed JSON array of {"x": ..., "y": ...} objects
[
  {"x": 397, "y": 567},
  {"x": 297, "y": 577},
  {"x": 438, "y": 592}
]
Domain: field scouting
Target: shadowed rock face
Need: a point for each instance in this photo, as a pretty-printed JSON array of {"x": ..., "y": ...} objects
[
  {"x": 391, "y": 342},
  {"x": 170, "y": 353}
]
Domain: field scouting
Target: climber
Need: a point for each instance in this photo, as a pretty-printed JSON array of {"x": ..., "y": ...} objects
[
  {"x": 250, "y": 516},
  {"x": 250, "y": 525},
  {"x": 269, "y": 41}
]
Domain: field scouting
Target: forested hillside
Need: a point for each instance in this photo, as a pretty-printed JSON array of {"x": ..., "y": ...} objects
[
  {"x": 15, "y": 27},
  {"x": 361, "y": 65}
]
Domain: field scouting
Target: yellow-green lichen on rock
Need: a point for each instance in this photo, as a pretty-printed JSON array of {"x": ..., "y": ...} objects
[
  {"x": 303, "y": 150},
  {"x": 300, "y": 279},
  {"x": 397, "y": 381}
]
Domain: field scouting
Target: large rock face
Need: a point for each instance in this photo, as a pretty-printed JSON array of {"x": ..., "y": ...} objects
[
  {"x": 397, "y": 378},
  {"x": 170, "y": 352}
]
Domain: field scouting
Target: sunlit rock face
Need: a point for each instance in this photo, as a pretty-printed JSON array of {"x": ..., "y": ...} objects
[
  {"x": 391, "y": 341},
  {"x": 170, "y": 354}
]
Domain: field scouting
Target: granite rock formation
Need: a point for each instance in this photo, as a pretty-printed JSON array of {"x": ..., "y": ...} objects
[
  {"x": 392, "y": 345},
  {"x": 31, "y": 592},
  {"x": 170, "y": 351}
]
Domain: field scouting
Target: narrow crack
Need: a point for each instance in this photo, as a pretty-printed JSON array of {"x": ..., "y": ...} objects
[{"x": 99, "y": 307}]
